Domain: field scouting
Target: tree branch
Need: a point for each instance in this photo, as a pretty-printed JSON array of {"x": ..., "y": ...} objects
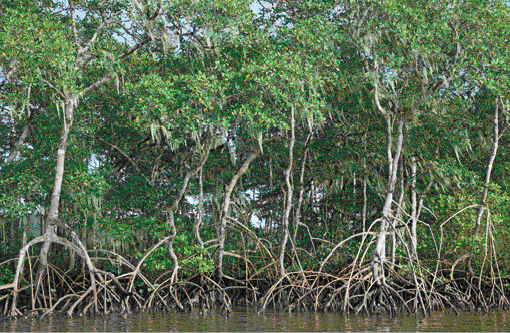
[
  {"x": 61, "y": 94},
  {"x": 72, "y": 11},
  {"x": 131, "y": 161},
  {"x": 96, "y": 84},
  {"x": 134, "y": 48}
]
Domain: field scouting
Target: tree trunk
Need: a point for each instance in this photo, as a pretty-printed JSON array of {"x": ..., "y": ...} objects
[
  {"x": 364, "y": 209},
  {"x": 495, "y": 142},
  {"x": 268, "y": 222},
  {"x": 170, "y": 211},
  {"x": 400, "y": 208},
  {"x": 414, "y": 211},
  {"x": 379, "y": 257},
  {"x": 173, "y": 233},
  {"x": 198, "y": 222},
  {"x": 288, "y": 199},
  {"x": 24, "y": 133},
  {"x": 226, "y": 205},
  {"x": 297, "y": 214},
  {"x": 52, "y": 217}
]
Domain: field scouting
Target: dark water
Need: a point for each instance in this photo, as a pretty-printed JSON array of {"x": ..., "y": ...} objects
[{"x": 249, "y": 320}]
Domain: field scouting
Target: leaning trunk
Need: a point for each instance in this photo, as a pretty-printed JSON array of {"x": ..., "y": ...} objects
[
  {"x": 414, "y": 211},
  {"x": 379, "y": 257},
  {"x": 365, "y": 180},
  {"x": 288, "y": 199},
  {"x": 400, "y": 208},
  {"x": 297, "y": 216},
  {"x": 52, "y": 217},
  {"x": 495, "y": 142},
  {"x": 170, "y": 212},
  {"x": 226, "y": 205}
]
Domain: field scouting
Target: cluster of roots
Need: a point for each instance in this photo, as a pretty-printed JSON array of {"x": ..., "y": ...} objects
[
  {"x": 355, "y": 292},
  {"x": 350, "y": 291},
  {"x": 63, "y": 294}
]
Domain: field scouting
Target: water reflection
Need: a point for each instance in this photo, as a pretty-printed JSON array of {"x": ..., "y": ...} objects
[{"x": 250, "y": 320}]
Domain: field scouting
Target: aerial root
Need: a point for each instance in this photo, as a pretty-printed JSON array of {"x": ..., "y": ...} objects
[
  {"x": 201, "y": 292},
  {"x": 358, "y": 294},
  {"x": 352, "y": 291}
]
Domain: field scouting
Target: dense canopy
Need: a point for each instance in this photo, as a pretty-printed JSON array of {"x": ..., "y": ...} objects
[{"x": 317, "y": 152}]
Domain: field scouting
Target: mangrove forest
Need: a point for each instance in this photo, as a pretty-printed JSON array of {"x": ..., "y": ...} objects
[{"x": 328, "y": 155}]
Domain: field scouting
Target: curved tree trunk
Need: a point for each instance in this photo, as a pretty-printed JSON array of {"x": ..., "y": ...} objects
[
  {"x": 52, "y": 216},
  {"x": 414, "y": 210},
  {"x": 494, "y": 151},
  {"x": 379, "y": 256},
  {"x": 401, "y": 207},
  {"x": 69, "y": 105},
  {"x": 288, "y": 199},
  {"x": 13, "y": 156},
  {"x": 198, "y": 222},
  {"x": 297, "y": 214},
  {"x": 365, "y": 180},
  {"x": 170, "y": 211},
  {"x": 226, "y": 205}
]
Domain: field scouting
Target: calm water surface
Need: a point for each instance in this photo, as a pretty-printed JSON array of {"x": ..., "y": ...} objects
[{"x": 249, "y": 320}]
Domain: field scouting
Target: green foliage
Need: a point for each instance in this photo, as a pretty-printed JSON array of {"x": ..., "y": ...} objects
[
  {"x": 196, "y": 262},
  {"x": 226, "y": 70},
  {"x": 6, "y": 274}
]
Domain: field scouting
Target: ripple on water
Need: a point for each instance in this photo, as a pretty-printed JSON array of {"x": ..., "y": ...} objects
[{"x": 250, "y": 320}]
